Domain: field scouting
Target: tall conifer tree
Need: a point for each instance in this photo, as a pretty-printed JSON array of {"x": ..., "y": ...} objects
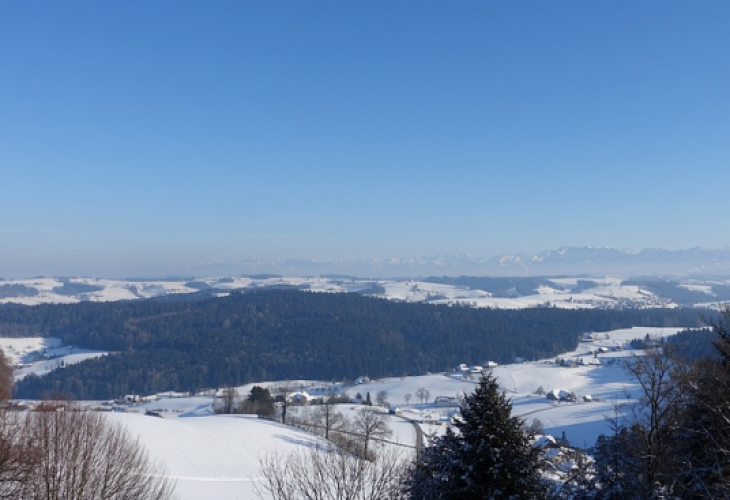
[{"x": 488, "y": 457}]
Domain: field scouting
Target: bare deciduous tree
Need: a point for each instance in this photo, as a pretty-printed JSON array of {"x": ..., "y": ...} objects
[
  {"x": 79, "y": 455},
  {"x": 407, "y": 397},
  {"x": 19, "y": 455},
  {"x": 328, "y": 418},
  {"x": 656, "y": 418},
  {"x": 282, "y": 397},
  {"x": 535, "y": 427},
  {"x": 643, "y": 456},
  {"x": 230, "y": 400},
  {"x": 331, "y": 474},
  {"x": 706, "y": 457},
  {"x": 423, "y": 394},
  {"x": 371, "y": 425},
  {"x": 6, "y": 377}
]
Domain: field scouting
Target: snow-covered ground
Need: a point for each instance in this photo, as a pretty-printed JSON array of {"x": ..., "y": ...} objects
[
  {"x": 213, "y": 456},
  {"x": 607, "y": 293},
  {"x": 41, "y": 355},
  {"x": 216, "y": 456},
  {"x": 607, "y": 382},
  {"x": 52, "y": 291}
]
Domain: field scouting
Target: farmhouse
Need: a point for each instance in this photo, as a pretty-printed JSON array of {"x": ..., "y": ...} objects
[
  {"x": 587, "y": 337},
  {"x": 560, "y": 395},
  {"x": 446, "y": 401},
  {"x": 300, "y": 397}
]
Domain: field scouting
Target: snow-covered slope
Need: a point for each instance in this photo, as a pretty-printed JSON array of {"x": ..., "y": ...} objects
[
  {"x": 41, "y": 355},
  {"x": 213, "y": 456},
  {"x": 605, "y": 292},
  {"x": 608, "y": 293},
  {"x": 74, "y": 290},
  {"x": 606, "y": 381},
  {"x": 217, "y": 456}
]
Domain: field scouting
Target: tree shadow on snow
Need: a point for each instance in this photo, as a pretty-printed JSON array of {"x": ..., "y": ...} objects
[{"x": 309, "y": 443}]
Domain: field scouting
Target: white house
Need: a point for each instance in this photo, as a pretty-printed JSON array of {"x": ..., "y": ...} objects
[
  {"x": 300, "y": 397},
  {"x": 560, "y": 395},
  {"x": 446, "y": 401}
]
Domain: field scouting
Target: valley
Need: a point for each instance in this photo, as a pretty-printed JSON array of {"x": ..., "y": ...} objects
[{"x": 210, "y": 455}]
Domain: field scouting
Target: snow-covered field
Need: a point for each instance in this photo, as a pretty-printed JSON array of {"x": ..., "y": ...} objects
[
  {"x": 607, "y": 293},
  {"x": 606, "y": 382},
  {"x": 52, "y": 290},
  {"x": 217, "y": 456},
  {"x": 41, "y": 355},
  {"x": 213, "y": 456}
]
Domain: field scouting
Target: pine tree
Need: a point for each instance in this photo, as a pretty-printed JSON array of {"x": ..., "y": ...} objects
[
  {"x": 488, "y": 457},
  {"x": 705, "y": 432},
  {"x": 615, "y": 467},
  {"x": 260, "y": 402}
]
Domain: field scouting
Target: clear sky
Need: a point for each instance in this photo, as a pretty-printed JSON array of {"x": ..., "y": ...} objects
[{"x": 134, "y": 134}]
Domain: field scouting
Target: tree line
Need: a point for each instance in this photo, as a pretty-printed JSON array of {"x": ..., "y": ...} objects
[
  {"x": 187, "y": 345},
  {"x": 672, "y": 443}
]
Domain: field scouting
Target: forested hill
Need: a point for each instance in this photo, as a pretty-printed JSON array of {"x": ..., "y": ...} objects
[{"x": 188, "y": 345}]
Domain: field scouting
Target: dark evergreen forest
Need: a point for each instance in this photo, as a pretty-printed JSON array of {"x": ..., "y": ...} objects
[{"x": 191, "y": 344}]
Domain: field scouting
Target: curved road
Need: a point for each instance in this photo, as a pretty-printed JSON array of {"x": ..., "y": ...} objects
[{"x": 419, "y": 436}]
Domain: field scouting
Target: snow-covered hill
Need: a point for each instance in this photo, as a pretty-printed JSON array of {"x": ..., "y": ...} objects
[
  {"x": 217, "y": 456},
  {"x": 41, "y": 355},
  {"x": 565, "y": 292},
  {"x": 214, "y": 456}
]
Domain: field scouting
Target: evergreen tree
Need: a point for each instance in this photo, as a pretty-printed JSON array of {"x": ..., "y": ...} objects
[
  {"x": 488, "y": 457},
  {"x": 260, "y": 402},
  {"x": 368, "y": 401},
  {"x": 705, "y": 432},
  {"x": 615, "y": 467}
]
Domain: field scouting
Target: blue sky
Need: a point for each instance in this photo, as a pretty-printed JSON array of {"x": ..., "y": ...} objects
[{"x": 138, "y": 134}]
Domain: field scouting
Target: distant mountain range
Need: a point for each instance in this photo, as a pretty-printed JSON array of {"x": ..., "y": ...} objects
[{"x": 563, "y": 261}]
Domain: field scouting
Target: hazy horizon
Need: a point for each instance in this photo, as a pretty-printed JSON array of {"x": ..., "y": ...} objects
[
  {"x": 573, "y": 261},
  {"x": 143, "y": 137}
]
